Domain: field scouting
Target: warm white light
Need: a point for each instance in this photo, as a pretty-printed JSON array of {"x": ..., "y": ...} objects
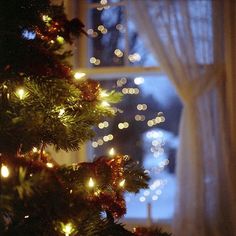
[
  {"x": 5, "y": 171},
  {"x": 122, "y": 183},
  {"x": 61, "y": 112},
  {"x": 68, "y": 229},
  {"x": 49, "y": 165},
  {"x": 112, "y": 152},
  {"x": 105, "y": 104},
  {"x": 103, "y": 94},
  {"x": 79, "y": 75},
  {"x": 34, "y": 149},
  {"x": 97, "y": 62},
  {"x": 91, "y": 183},
  {"x": 46, "y": 18},
  {"x": 103, "y": 2},
  {"x": 101, "y": 27},
  {"x": 20, "y": 93}
]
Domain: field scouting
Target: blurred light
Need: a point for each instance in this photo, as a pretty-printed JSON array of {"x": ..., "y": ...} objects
[
  {"x": 138, "y": 80},
  {"x": 104, "y": 31},
  {"x": 105, "y": 104},
  {"x": 79, "y": 75},
  {"x": 146, "y": 193},
  {"x": 150, "y": 123},
  {"x": 101, "y": 27},
  {"x": 21, "y": 93},
  {"x": 92, "y": 60},
  {"x": 120, "y": 126},
  {"x": 112, "y": 152},
  {"x": 118, "y": 53},
  {"x": 122, "y": 183},
  {"x": 97, "y": 62},
  {"x": 4, "y": 171},
  {"x": 110, "y": 136},
  {"x": 68, "y": 229},
  {"x": 100, "y": 142},
  {"x": 100, "y": 125},
  {"x": 139, "y": 107},
  {"x": 95, "y": 34},
  {"x": 49, "y": 165},
  {"x": 90, "y": 31},
  {"x": 154, "y": 197},
  {"x": 142, "y": 199},
  {"x": 91, "y": 183},
  {"x": 94, "y": 144},
  {"x": 34, "y": 149},
  {"x": 106, "y": 124},
  {"x": 103, "y": 94},
  {"x": 105, "y": 138},
  {"x": 126, "y": 124},
  {"x": 103, "y": 2},
  {"x": 46, "y": 18},
  {"x": 61, "y": 112},
  {"x": 60, "y": 39}
]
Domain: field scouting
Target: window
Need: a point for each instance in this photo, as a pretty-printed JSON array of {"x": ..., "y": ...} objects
[{"x": 146, "y": 124}]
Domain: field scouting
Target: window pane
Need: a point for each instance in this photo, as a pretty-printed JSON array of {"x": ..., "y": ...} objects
[
  {"x": 114, "y": 39},
  {"x": 107, "y": 36},
  {"x": 146, "y": 128}
]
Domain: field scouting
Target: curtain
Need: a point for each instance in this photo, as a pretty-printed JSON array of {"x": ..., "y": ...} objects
[{"x": 188, "y": 39}]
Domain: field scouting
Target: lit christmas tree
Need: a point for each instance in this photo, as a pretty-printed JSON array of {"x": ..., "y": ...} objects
[{"x": 43, "y": 102}]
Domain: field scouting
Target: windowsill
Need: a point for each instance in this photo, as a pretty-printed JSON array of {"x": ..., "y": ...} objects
[{"x": 164, "y": 224}]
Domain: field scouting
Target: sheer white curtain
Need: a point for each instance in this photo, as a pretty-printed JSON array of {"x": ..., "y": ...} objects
[{"x": 187, "y": 38}]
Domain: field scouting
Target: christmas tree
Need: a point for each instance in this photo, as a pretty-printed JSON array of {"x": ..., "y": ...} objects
[{"x": 43, "y": 102}]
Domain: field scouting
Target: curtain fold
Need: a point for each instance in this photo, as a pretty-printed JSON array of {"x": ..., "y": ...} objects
[{"x": 187, "y": 39}]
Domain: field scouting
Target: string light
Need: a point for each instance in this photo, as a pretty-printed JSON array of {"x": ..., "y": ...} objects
[
  {"x": 112, "y": 152},
  {"x": 68, "y": 229},
  {"x": 61, "y": 112},
  {"x": 49, "y": 165},
  {"x": 5, "y": 171},
  {"x": 34, "y": 149},
  {"x": 122, "y": 183},
  {"x": 46, "y": 18},
  {"x": 60, "y": 39},
  {"x": 105, "y": 104},
  {"x": 20, "y": 93},
  {"x": 91, "y": 183},
  {"x": 79, "y": 75},
  {"x": 103, "y": 94}
]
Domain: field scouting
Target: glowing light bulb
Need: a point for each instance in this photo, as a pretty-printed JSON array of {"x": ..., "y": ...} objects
[
  {"x": 34, "y": 149},
  {"x": 49, "y": 165},
  {"x": 46, "y": 18},
  {"x": 122, "y": 183},
  {"x": 60, "y": 39},
  {"x": 79, "y": 75},
  {"x": 105, "y": 104},
  {"x": 68, "y": 229},
  {"x": 61, "y": 112},
  {"x": 103, "y": 94},
  {"x": 5, "y": 171},
  {"x": 91, "y": 183},
  {"x": 20, "y": 93},
  {"x": 112, "y": 152}
]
